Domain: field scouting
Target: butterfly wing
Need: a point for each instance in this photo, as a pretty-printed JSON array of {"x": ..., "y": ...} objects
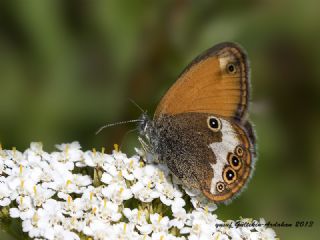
[
  {"x": 235, "y": 158},
  {"x": 215, "y": 85},
  {"x": 217, "y": 82},
  {"x": 203, "y": 157}
]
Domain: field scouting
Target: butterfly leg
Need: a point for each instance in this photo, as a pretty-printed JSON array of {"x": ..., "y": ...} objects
[
  {"x": 144, "y": 145},
  {"x": 149, "y": 154}
]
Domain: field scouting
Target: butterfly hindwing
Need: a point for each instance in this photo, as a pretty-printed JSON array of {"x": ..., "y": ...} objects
[{"x": 201, "y": 156}]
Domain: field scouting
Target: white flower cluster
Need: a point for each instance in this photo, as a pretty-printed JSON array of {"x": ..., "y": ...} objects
[{"x": 71, "y": 194}]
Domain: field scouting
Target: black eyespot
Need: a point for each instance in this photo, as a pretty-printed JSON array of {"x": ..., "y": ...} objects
[
  {"x": 220, "y": 186},
  {"x": 234, "y": 161},
  {"x": 231, "y": 68},
  {"x": 229, "y": 175},
  {"x": 214, "y": 123}
]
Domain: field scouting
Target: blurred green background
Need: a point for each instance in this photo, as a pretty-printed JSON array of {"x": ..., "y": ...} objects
[{"x": 69, "y": 67}]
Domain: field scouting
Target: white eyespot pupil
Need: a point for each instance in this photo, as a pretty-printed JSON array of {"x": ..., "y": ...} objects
[{"x": 230, "y": 175}]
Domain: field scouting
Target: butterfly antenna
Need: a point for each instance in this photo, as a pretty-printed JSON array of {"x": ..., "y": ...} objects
[
  {"x": 117, "y": 123},
  {"x": 136, "y": 104}
]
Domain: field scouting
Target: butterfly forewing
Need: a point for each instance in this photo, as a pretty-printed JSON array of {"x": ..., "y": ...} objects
[{"x": 215, "y": 82}]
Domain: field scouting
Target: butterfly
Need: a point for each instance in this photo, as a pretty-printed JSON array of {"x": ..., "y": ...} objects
[{"x": 200, "y": 128}]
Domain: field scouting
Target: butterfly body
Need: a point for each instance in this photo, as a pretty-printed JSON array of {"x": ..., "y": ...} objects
[{"x": 200, "y": 128}]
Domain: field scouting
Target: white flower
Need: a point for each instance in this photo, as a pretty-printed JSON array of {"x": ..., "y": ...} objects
[
  {"x": 48, "y": 217},
  {"x": 73, "y": 208},
  {"x": 144, "y": 192},
  {"x": 119, "y": 158},
  {"x": 2, "y": 165},
  {"x": 117, "y": 193},
  {"x": 151, "y": 175},
  {"x": 138, "y": 218},
  {"x": 70, "y": 153},
  {"x": 7, "y": 163},
  {"x": 35, "y": 154},
  {"x": 200, "y": 203},
  {"x": 61, "y": 233},
  {"x": 98, "y": 230},
  {"x": 30, "y": 225},
  {"x": 159, "y": 223},
  {"x": 22, "y": 178},
  {"x": 199, "y": 230},
  {"x": 54, "y": 196},
  {"x": 124, "y": 231},
  {"x": 96, "y": 159},
  {"x": 63, "y": 180},
  {"x": 177, "y": 204},
  {"x": 73, "y": 223},
  {"x": 168, "y": 192},
  {"x": 107, "y": 211},
  {"x": 268, "y": 233},
  {"x": 220, "y": 236},
  {"x": 5, "y": 194},
  {"x": 180, "y": 217},
  {"x": 112, "y": 175},
  {"x": 40, "y": 194},
  {"x": 159, "y": 235},
  {"x": 14, "y": 155},
  {"x": 202, "y": 224},
  {"x": 36, "y": 147},
  {"x": 25, "y": 209},
  {"x": 204, "y": 216},
  {"x": 130, "y": 164}
]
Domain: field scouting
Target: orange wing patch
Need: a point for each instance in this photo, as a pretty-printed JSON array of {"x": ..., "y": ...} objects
[{"x": 215, "y": 82}]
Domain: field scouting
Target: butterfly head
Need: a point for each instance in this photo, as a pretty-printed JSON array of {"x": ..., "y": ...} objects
[
  {"x": 144, "y": 123},
  {"x": 149, "y": 132}
]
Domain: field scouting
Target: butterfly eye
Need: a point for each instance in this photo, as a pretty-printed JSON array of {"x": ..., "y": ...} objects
[
  {"x": 220, "y": 187},
  {"x": 214, "y": 124},
  {"x": 229, "y": 175},
  {"x": 239, "y": 151},
  {"x": 234, "y": 161},
  {"x": 231, "y": 68}
]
